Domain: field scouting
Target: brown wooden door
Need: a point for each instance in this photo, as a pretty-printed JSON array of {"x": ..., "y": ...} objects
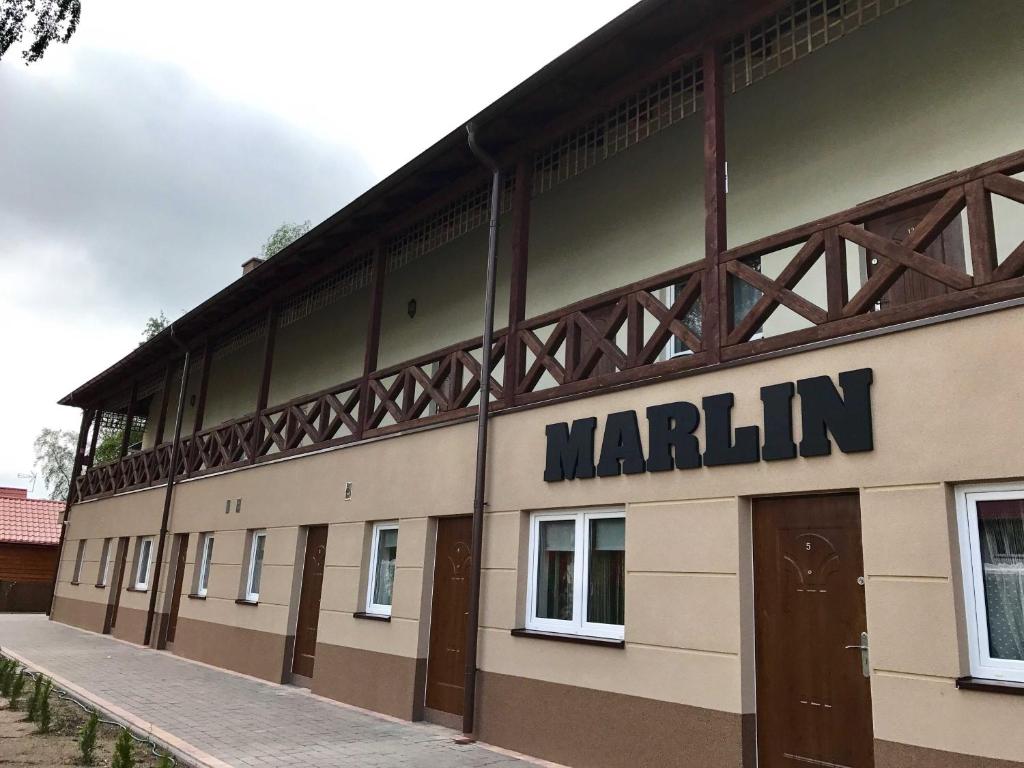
[
  {"x": 309, "y": 601},
  {"x": 179, "y": 580},
  {"x": 115, "y": 587},
  {"x": 948, "y": 249},
  {"x": 813, "y": 700},
  {"x": 446, "y": 665}
]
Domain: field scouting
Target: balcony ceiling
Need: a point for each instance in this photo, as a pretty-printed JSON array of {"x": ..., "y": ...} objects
[{"x": 631, "y": 43}]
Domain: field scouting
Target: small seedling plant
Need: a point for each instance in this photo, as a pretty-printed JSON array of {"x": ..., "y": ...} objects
[
  {"x": 43, "y": 707},
  {"x": 124, "y": 756},
  {"x": 87, "y": 738},
  {"x": 17, "y": 687},
  {"x": 33, "y": 702}
]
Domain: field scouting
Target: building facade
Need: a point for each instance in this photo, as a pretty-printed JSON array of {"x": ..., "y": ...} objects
[{"x": 754, "y": 493}]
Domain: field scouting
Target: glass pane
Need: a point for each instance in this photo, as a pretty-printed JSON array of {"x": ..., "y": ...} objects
[
  {"x": 744, "y": 295},
  {"x": 207, "y": 559},
  {"x": 384, "y": 580},
  {"x": 556, "y": 552},
  {"x": 257, "y": 565},
  {"x": 1001, "y": 531},
  {"x": 606, "y": 590},
  {"x": 143, "y": 575}
]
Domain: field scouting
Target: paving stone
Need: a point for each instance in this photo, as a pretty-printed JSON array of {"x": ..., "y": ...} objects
[{"x": 241, "y": 721}]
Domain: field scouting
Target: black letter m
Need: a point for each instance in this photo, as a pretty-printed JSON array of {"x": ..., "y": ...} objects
[{"x": 570, "y": 452}]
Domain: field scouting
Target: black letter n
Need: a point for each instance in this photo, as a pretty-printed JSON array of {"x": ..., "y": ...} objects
[
  {"x": 570, "y": 452},
  {"x": 847, "y": 418}
]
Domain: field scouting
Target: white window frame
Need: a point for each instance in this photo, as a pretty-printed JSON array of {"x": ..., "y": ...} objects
[
  {"x": 669, "y": 295},
  {"x": 967, "y": 498},
  {"x": 581, "y": 569},
  {"x": 76, "y": 575},
  {"x": 205, "y": 556},
  {"x": 250, "y": 572},
  {"x": 378, "y": 609},
  {"x": 143, "y": 566},
  {"x": 103, "y": 577}
]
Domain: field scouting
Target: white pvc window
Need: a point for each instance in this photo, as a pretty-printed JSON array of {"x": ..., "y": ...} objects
[
  {"x": 991, "y": 523},
  {"x": 79, "y": 557},
  {"x": 577, "y": 576},
  {"x": 143, "y": 562},
  {"x": 205, "y": 558},
  {"x": 381, "y": 582},
  {"x": 255, "y": 567},
  {"x": 103, "y": 576}
]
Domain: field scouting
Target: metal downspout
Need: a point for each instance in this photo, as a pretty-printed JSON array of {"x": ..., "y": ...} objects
[
  {"x": 473, "y": 620},
  {"x": 175, "y": 445}
]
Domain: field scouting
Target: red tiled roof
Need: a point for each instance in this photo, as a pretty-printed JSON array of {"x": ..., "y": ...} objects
[{"x": 28, "y": 521}]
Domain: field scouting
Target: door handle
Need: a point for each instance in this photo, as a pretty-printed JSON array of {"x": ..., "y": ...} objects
[{"x": 865, "y": 665}]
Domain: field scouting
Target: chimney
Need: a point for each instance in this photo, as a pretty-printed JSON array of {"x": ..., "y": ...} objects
[
  {"x": 13, "y": 493},
  {"x": 251, "y": 264}
]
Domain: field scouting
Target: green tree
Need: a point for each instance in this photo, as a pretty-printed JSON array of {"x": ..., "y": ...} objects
[
  {"x": 124, "y": 756},
  {"x": 47, "y": 21},
  {"x": 153, "y": 326},
  {"x": 55, "y": 457},
  {"x": 43, "y": 706},
  {"x": 33, "y": 702},
  {"x": 16, "y": 688},
  {"x": 87, "y": 738},
  {"x": 284, "y": 235}
]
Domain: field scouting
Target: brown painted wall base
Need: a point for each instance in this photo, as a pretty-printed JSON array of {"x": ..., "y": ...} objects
[
  {"x": 378, "y": 681},
  {"x": 24, "y": 596},
  {"x": 79, "y": 613},
  {"x": 890, "y": 754},
  {"x": 598, "y": 729},
  {"x": 249, "y": 651},
  {"x": 131, "y": 625}
]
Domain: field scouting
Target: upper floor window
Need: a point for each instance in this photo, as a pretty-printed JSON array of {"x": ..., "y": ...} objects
[
  {"x": 991, "y": 521},
  {"x": 203, "y": 563},
  {"x": 381, "y": 582},
  {"x": 577, "y": 578},
  {"x": 143, "y": 562},
  {"x": 744, "y": 297},
  {"x": 79, "y": 557},
  {"x": 254, "y": 571}
]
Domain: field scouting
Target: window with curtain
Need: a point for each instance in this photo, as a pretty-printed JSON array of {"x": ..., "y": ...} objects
[
  {"x": 255, "y": 574},
  {"x": 577, "y": 573},
  {"x": 205, "y": 558},
  {"x": 143, "y": 558},
  {"x": 992, "y": 548},
  {"x": 381, "y": 582}
]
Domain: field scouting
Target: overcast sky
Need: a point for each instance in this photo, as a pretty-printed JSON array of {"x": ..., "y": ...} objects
[{"x": 144, "y": 161}]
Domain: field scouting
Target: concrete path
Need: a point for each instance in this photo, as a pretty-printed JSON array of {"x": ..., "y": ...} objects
[{"x": 218, "y": 718}]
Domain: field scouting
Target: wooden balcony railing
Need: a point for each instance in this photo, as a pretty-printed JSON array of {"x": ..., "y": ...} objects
[{"x": 644, "y": 330}]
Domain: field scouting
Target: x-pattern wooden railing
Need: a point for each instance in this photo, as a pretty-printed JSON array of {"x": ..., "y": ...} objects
[
  {"x": 628, "y": 334},
  {"x": 443, "y": 383}
]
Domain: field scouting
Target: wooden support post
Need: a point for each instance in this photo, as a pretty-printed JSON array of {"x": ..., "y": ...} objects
[
  {"x": 714, "y": 296},
  {"x": 372, "y": 335},
  {"x": 94, "y": 440},
  {"x": 204, "y": 382},
  {"x": 264, "y": 391},
  {"x": 164, "y": 398},
  {"x": 835, "y": 274},
  {"x": 515, "y": 351},
  {"x": 128, "y": 418}
]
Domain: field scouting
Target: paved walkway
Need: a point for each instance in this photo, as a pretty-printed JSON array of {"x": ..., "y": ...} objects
[{"x": 227, "y": 719}]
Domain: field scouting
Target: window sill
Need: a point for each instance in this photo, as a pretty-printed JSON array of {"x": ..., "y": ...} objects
[
  {"x": 371, "y": 616},
  {"x": 100, "y": 586},
  {"x": 136, "y": 589},
  {"x": 990, "y": 686},
  {"x": 194, "y": 596},
  {"x": 75, "y": 583},
  {"x": 607, "y": 642},
  {"x": 244, "y": 601}
]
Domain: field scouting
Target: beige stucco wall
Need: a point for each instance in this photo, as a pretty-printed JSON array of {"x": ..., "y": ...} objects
[{"x": 688, "y": 624}]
